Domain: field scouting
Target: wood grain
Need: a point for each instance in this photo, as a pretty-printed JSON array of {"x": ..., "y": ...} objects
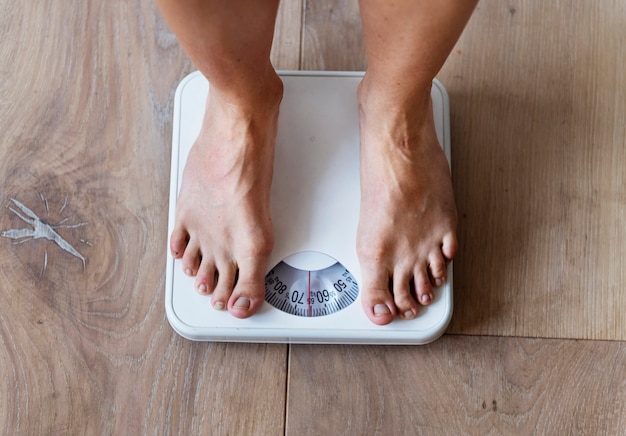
[
  {"x": 86, "y": 94},
  {"x": 459, "y": 385},
  {"x": 538, "y": 99},
  {"x": 538, "y": 103},
  {"x": 537, "y": 110},
  {"x": 332, "y": 36},
  {"x": 285, "y": 53}
]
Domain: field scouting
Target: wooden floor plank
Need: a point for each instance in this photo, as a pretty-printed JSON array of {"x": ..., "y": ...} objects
[
  {"x": 288, "y": 36},
  {"x": 86, "y": 96},
  {"x": 459, "y": 385},
  {"x": 538, "y": 102},
  {"x": 332, "y": 36}
]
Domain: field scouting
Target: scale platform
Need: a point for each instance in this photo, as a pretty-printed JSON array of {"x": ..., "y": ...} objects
[{"x": 312, "y": 283}]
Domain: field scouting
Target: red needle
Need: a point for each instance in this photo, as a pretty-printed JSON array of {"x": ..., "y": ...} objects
[{"x": 309, "y": 294}]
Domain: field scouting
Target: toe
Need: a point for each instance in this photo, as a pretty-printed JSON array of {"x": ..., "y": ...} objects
[
  {"x": 423, "y": 288},
  {"x": 205, "y": 279},
  {"x": 178, "y": 243},
  {"x": 450, "y": 246},
  {"x": 226, "y": 273},
  {"x": 246, "y": 299},
  {"x": 402, "y": 296},
  {"x": 249, "y": 291},
  {"x": 437, "y": 269},
  {"x": 191, "y": 259},
  {"x": 376, "y": 298}
]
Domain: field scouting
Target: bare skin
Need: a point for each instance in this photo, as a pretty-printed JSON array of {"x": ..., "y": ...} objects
[
  {"x": 223, "y": 227},
  {"x": 406, "y": 232},
  {"x": 407, "y": 226},
  {"x": 223, "y": 231}
]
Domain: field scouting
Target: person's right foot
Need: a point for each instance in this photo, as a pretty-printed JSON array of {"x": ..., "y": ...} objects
[{"x": 223, "y": 230}]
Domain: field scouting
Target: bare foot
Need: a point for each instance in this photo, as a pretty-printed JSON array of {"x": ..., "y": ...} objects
[
  {"x": 406, "y": 234},
  {"x": 223, "y": 230}
]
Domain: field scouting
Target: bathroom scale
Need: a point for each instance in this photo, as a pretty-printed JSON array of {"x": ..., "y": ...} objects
[{"x": 312, "y": 286}]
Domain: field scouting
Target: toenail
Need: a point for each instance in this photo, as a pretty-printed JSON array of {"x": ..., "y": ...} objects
[
  {"x": 425, "y": 298},
  {"x": 218, "y": 305},
  {"x": 202, "y": 288},
  {"x": 409, "y": 314},
  {"x": 439, "y": 282},
  {"x": 242, "y": 303},
  {"x": 188, "y": 271},
  {"x": 381, "y": 309}
]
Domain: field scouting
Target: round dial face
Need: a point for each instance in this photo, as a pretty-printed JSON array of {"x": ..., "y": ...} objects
[{"x": 310, "y": 293}]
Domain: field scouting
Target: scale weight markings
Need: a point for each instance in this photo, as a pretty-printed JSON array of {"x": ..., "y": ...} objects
[{"x": 310, "y": 293}]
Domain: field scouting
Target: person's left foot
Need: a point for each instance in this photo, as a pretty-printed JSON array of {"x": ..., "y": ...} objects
[{"x": 407, "y": 226}]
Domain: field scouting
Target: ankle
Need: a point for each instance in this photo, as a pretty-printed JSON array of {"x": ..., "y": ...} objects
[
  {"x": 251, "y": 93},
  {"x": 403, "y": 98}
]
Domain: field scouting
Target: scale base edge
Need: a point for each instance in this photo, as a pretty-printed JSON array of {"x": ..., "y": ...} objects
[{"x": 267, "y": 326}]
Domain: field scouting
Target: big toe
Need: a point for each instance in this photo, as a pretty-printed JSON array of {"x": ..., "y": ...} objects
[
  {"x": 246, "y": 299},
  {"x": 249, "y": 291},
  {"x": 377, "y": 301}
]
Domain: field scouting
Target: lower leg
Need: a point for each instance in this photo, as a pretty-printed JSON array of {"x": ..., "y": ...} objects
[
  {"x": 223, "y": 231},
  {"x": 229, "y": 41},
  {"x": 407, "y": 229}
]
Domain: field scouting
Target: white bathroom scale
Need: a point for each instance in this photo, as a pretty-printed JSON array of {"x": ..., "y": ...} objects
[{"x": 313, "y": 274}]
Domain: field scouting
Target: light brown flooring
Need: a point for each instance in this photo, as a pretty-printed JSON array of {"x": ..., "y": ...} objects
[{"x": 538, "y": 339}]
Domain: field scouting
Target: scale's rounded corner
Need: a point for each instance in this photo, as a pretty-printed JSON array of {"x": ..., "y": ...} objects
[
  {"x": 442, "y": 89},
  {"x": 178, "y": 325},
  {"x": 183, "y": 83},
  {"x": 440, "y": 328},
  {"x": 446, "y": 319}
]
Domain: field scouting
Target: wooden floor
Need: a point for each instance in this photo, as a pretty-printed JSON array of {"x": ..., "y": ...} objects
[{"x": 537, "y": 344}]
